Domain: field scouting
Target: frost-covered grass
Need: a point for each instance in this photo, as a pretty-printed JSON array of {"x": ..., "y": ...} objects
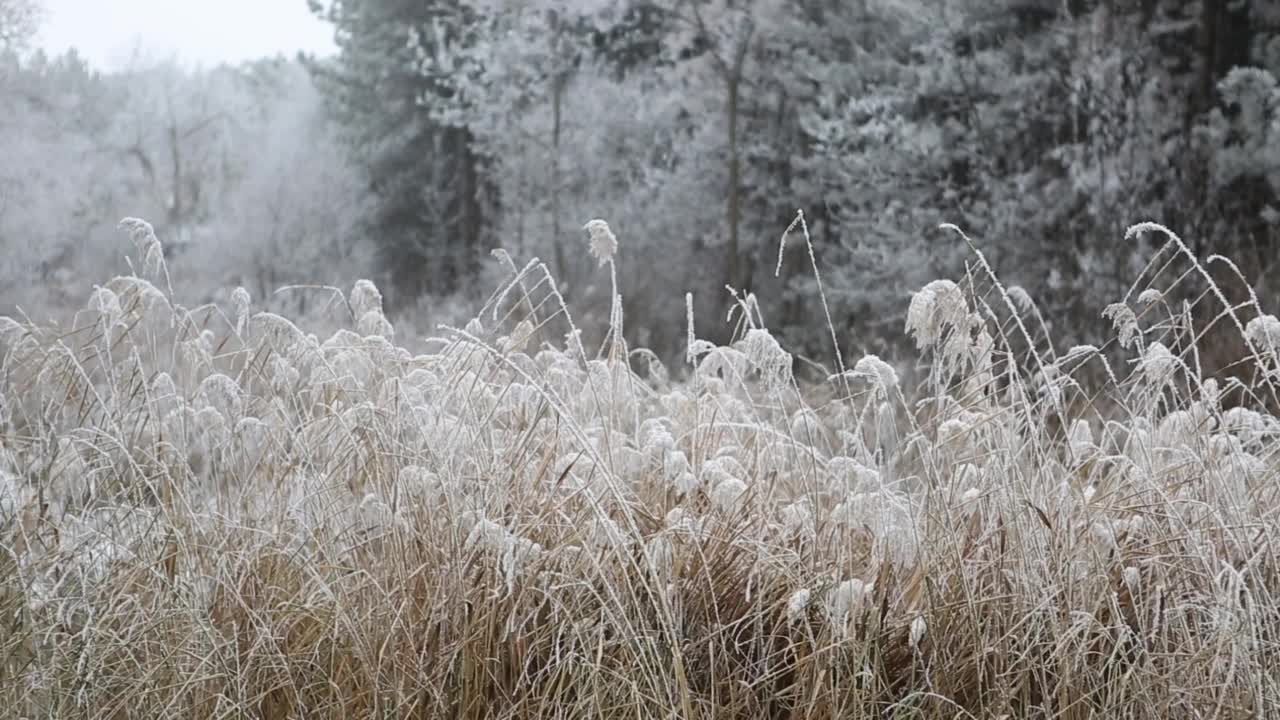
[{"x": 211, "y": 513}]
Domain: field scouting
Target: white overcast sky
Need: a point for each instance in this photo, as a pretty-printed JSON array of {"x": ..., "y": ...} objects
[{"x": 202, "y": 32}]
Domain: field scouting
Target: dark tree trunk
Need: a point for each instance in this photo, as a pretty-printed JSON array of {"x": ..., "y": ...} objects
[{"x": 733, "y": 211}]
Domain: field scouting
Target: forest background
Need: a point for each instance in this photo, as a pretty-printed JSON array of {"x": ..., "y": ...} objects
[{"x": 442, "y": 129}]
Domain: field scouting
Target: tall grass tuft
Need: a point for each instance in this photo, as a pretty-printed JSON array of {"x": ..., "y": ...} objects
[{"x": 212, "y": 512}]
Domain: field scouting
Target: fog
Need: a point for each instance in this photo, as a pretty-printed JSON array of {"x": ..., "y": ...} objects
[{"x": 116, "y": 34}]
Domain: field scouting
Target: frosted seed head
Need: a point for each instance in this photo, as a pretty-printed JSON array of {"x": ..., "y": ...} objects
[
  {"x": 797, "y": 517},
  {"x": 681, "y": 520},
  {"x": 254, "y": 436},
  {"x": 107, "y": 304},
  {"x": 211, "y": 425},
  {"x": 375, "y": 324},
  {"x": 605, "y": 533},
  {"x": 1020, "y": 298},
  {"x": 956, "y": 435},
  {"x": 1264, "y": 331},
  {"x": 136, "y": 292},
  {"x": 765, "y": 355},
  {"x": 353, "y": 368},
  {"x": 917, "y": 632},
  {"x": 957, "y": 349},
  {"x": 1132, "y": 578},
  {"x": 162, "y": 386},
  {"x": 141, "y": 233},
  {"x": 1158, "y": 364},
  {"x": 240, "y": 301},
  {"x": 1250, "y": 426},
  {"x": 153, "y": 260},
  {"x": 487, "y": 534},
  {"x": 1225, "y": 447},
  {"x": 660, "y": 556},
  {"x": 284, "y": 377},
  {"x": 514, "y": 554},
  {"x": 1080, "y": 441},
  {"x": 674, "y": 464},
  {"x": 850, "y": 592},
  {"x": 725, "y": 364},
  {"x": 719, "y": 468},
  {"x": 519, "y": 338},
  {"x": 984, "y": 346},
  {"x": 365, "y": 298},
  {"x": 936, "y": 307},
  {"x": 1211, "y": 392},
  {"x": 417, "y": 481},
  {"x": 573, "y": 344},
  {"x": 1104, "y": 533},
  {"x": 879, "y": 373},
  {"x": 797, "y": 604},
  {"x": 223, "y": 393},
  {"x": 654, "y": 437},
  {"x": 1124, "y": 322},
  {"x": 727, "y": 493},
  {"x": 845, "y": 601},
  {"x": 806, "y": 427},
  {"x": 850, "y": 476},
  {"x": 602, "y": 243},
  {"x": 685, "y": 482}
]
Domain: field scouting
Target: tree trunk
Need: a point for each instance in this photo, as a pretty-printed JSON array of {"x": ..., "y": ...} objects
[
  {"x": 733, "y": 213},
  {"x": 557, "y": 107},
  {"x": 559, "y": 81},
  {"x": 175, "y": 182}
]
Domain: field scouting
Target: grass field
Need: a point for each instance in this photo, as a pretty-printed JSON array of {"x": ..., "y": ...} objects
[{"x": 210, "y": 513}]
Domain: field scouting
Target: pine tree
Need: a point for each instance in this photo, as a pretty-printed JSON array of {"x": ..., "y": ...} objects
[{"x": 432, "y": 208}]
